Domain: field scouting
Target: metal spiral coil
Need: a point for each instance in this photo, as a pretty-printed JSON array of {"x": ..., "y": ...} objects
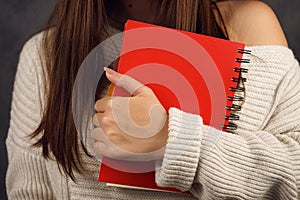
[
  {"x": 242, "y": 60},
  {"x": 232, "y": 117},
  {"x": 244, "y": 51},
  {"x": 235, "y": 98},
  {"x": 242, "y": 70},
  {"x": 230, "y": 126},
  {"x": 237, "y": 89},
  {"x": 239, "y": 79},
  {"x": 234, "y": 107}
]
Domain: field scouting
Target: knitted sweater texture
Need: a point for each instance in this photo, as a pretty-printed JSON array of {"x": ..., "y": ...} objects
[{"x": 260, "y": 161}]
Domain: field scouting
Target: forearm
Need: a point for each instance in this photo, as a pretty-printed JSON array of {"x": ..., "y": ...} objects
[
  {"x": 249, "y": 165},
  {"x": 260, "y": 161}
]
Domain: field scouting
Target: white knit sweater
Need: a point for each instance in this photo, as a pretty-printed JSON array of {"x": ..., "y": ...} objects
[{"x": 261, "y": 161}]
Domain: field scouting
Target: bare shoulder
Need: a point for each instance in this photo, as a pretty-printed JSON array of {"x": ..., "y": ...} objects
[{"x": 252, "y": 22}]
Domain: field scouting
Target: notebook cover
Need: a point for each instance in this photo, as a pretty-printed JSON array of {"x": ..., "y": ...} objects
[{"x": 170, "y": 63}]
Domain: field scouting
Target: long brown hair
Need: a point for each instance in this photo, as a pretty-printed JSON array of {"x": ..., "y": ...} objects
[{"x": 73, "y": 30}]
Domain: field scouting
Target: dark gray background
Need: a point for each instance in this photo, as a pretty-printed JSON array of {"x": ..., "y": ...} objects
[{"x": 20, "y": 19}]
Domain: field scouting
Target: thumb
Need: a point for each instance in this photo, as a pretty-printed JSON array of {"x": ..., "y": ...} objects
[{"x": 124, "y": 81}]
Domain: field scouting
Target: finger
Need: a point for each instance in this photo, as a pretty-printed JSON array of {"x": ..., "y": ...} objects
[
  {"x": 96, "y": 120},
  {"x": 105, "y": 147},
  {"x": 103, "y": 104},
  {"x": 117, "y": 153},
  {"x": 124, "y": 81},
  {"x": 111, "y": 151},
  {"x": 100, "y": 148},
  {"x": 104, "y": 120},
  {"x": 99, "y": 135}
]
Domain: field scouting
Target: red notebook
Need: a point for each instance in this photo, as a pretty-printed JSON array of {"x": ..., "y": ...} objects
[{"x": 195, "y": 73}]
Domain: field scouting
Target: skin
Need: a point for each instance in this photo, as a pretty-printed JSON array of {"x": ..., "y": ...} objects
[
  {"x": 118, "y": 141},
  {"x": 259, "y": 26}
]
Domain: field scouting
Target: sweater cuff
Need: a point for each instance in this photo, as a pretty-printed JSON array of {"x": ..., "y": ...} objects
[{"x": 181, "y": 158}]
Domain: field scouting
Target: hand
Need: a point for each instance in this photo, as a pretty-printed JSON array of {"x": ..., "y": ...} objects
[{"x": 130, "y": 128}]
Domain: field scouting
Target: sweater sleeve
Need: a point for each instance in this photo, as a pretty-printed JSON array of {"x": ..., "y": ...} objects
[
  {"x": 252, "y": 164},
  {"x": 26, "y": 176}
]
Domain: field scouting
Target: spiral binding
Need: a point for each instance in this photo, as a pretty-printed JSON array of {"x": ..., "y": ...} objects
[{"x": 239, "y": 80}]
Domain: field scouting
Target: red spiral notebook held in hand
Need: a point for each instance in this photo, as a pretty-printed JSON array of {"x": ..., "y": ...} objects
[{"x": 195, "y": 73}]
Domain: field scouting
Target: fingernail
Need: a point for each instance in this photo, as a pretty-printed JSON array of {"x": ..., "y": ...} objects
[{"x": 109, "y": 71}]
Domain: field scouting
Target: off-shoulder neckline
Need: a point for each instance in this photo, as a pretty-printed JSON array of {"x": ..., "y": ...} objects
[
  {"x": 268, "y": 46},
  {"x": 275, "y": 49},
  {"x": 250, "y": 47}
]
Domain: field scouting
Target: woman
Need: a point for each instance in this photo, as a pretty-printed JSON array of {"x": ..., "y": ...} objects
[{"x": 260, "y": 161}]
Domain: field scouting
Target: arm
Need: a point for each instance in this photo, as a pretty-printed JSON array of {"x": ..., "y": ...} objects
[
  {"x": 250, "y": 165},
  {"x": 27, "y": 176},
  {"x": 260, "y": 161},
  {"x": 255, "y": 163}
]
